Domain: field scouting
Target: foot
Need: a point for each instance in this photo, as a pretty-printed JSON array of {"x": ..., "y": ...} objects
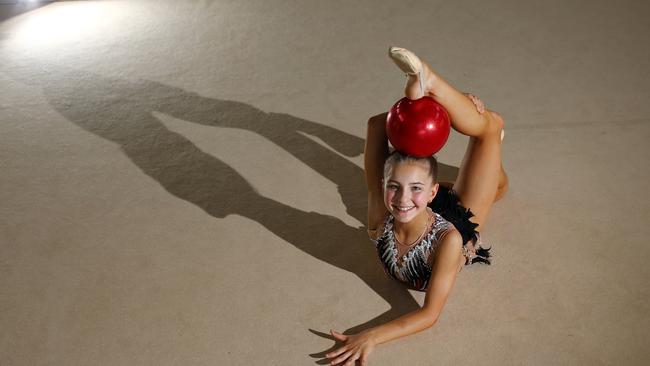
[{"x": 419, "y": 76}]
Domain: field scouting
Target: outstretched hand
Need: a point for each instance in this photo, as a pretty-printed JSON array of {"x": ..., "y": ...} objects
[{"x": 356, "y": 347}]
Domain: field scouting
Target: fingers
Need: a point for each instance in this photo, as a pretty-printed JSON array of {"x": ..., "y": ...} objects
[
  {"x": 357, "y": 347},
  {"x": 478, "y": 103},
  {"x": 349, "y": 357},
  {"x": 338, "y": 336},
  {"x": 343, "y": 357},
  {"x": 337, "y": 352},
  {"x": 340, "y": 350},
  {"x": 480, "y": 106}
]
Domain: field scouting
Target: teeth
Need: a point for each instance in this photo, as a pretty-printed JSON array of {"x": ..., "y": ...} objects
[{"x": 404, "y": 208}]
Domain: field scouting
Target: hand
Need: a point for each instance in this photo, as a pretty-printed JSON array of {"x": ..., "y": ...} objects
[
  {"x": 357, "y": 347},
  {"x": 480, "y": 106}
]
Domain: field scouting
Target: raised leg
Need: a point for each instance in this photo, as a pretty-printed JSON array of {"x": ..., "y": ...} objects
[
  {"x": 503, "y": 184},
  {"x": 481, "y": 178}
]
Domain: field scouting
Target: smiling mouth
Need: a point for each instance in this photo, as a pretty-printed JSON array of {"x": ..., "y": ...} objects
[{"x": 403, "y": 209}]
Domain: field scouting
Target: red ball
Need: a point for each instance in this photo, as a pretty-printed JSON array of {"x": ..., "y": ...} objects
[{"x": 418, "y": 127}]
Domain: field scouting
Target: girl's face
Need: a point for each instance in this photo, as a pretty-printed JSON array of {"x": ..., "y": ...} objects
[{"x": 408, "y": 190}]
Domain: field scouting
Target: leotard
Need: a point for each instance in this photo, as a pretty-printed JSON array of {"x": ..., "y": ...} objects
[{"x": 414, "y": 267}]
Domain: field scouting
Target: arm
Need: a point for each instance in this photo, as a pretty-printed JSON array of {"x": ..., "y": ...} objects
[
  {"x": 375, "y": 153},
  {"x": 443, "y": 277}
]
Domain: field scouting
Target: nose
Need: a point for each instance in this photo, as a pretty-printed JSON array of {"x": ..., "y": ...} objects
[{"x": 402, "y": 198}]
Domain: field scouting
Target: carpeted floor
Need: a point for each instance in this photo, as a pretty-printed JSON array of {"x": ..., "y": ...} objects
[{"x": 181, "y": 182}]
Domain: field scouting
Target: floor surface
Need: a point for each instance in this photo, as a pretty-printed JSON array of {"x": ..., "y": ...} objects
[{"x": 181, "y": 181}]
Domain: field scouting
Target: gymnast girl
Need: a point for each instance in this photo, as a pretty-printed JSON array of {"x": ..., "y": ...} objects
[{"x": 420, "y": 227}]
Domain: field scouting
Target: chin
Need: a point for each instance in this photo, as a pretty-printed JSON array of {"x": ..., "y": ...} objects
[{"x": 403, "y": 220}]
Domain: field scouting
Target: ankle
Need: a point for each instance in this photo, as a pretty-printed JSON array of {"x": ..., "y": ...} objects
[
  {"x": 414, "y": 89},
  {"x": 432, "y": 83}
]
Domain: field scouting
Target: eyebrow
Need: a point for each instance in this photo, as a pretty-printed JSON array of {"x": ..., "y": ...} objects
[{"x": 413, "y": 183}]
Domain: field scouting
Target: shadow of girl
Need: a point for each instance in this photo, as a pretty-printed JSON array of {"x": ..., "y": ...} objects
[{"x": 121, "y": 111}]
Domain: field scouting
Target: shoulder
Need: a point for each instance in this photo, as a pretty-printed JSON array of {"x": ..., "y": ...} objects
[
  {"x": 450, "y": 248},
  {"x": 441, "y": 227},
  {"x": 451, "y": 237}
]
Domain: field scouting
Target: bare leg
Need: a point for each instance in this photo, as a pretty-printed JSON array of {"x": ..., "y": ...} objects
[
  {"x": 503, "y": 185},
  {"x": 481, "y": 178}
]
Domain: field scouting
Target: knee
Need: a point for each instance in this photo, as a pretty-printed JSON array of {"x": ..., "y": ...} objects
[
  {"x": 501, "y": 191},
  {"x": 495, "y": 124}
]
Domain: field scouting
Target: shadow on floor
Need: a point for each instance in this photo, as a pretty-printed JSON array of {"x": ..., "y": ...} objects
[
  {"x": 121, "y": 111},
  {"x": 10, "y": 9}
]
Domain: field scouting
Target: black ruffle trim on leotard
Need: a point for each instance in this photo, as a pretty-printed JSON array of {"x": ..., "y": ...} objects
[{"x": 447, "y": 204}]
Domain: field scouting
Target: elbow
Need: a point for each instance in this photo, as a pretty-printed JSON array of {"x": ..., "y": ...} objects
[
  {"x": 378, "y": 120},
  {"x": 430, "y": 319}
]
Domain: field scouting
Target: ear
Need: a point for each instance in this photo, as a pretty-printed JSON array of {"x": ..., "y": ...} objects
[{"x": 434, "y": 192}]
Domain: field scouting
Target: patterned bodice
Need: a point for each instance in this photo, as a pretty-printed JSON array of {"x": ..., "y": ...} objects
[{"x": 414, "y": 267}]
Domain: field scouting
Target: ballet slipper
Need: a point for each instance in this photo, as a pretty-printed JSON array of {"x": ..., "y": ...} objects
[{"x": 409, "y": 63}]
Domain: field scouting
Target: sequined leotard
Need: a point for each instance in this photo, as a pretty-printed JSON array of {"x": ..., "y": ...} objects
[{"x": 414, "y": 267}]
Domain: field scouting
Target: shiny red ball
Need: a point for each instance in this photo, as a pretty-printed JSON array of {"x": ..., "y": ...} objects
[{"x": 418, "y": 127}]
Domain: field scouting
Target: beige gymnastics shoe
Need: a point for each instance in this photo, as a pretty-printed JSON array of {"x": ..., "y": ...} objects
[{"x": 409, "y": 63}]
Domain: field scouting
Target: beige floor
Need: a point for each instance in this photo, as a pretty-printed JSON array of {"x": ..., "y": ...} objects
[{"x": 181, "y": 182}]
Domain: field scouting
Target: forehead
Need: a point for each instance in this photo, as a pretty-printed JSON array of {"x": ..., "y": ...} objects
[{"x": 410, "y": 172}]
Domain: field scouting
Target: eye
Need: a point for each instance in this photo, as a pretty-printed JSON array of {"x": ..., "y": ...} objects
[
  {"x": 417, "y": 189},
  {"x": 392, "y": 187}
]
